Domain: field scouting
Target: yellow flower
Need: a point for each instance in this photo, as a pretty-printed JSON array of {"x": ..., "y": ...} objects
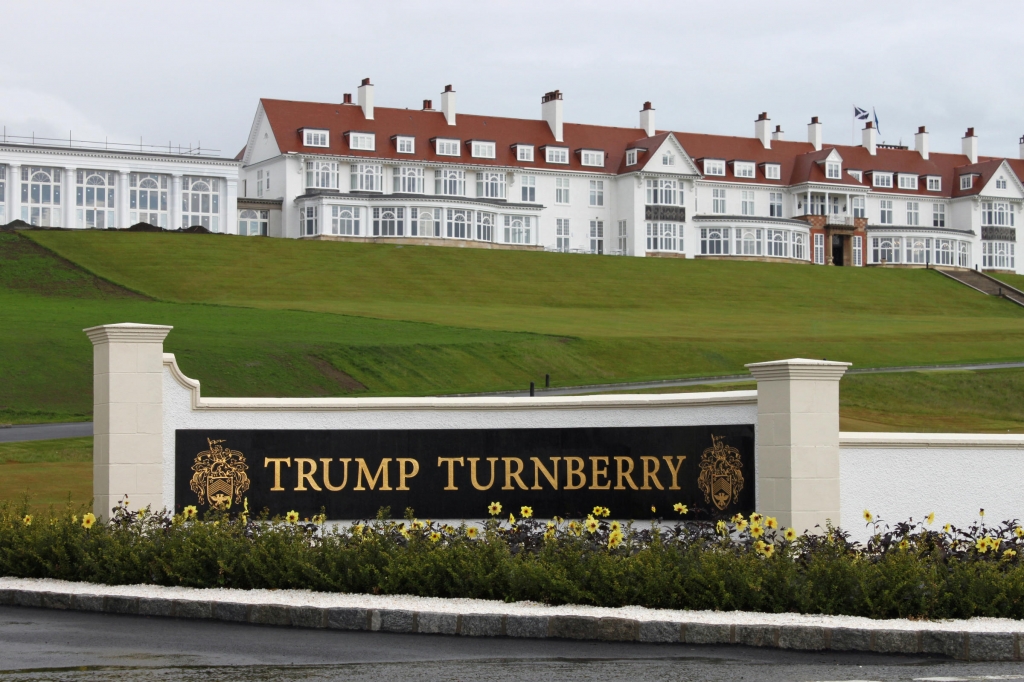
[
  {"x": 768, "y": 550},
  {"x": 771, "y": 523},
  {"x": 511, "y": 519},
  {"x": 405, "y": 533},
  {"x": 27, "y": 520},
  {"x": 680, "y": 507},
  {"x": 74, "y": 518},
  {"x": 653, "y": 510},
  {"x": 930, "y": 519},
  {"x": 549, "y": 534},
  {"x": 448, "y": 529},
  {"x": 1019, "y": 532},
  {"x": 790, "y": 534},
  {"x": 994, "y": 543},
  {"x": 591, "y": 524},
  {"x": 88, "y": 520},
  {"x": 320, "y": 519},
  {"x": 574, "y": 528},
  {"x": 755, "y": 518},
  {"x": 759, "y": 546},
  {"x": 1009, "y": 554},
  {"x": 737, "y": 518},
  {"x": 494, "y": 508},
  {"x": 190, "y": 511},
  {"x": 615, "y": 527},
  {"x": 981, "y": 513},
  {"x": 606, "y": 512},
  {"x": 756, "y": 531},
  {"x": 946, "y": 528},
  {"x": 292, "y": 516},
  {"x": 417, "y": 524},
  {"x": 614, "y": 540},
  {"x": 741, "y": 525},
  {"x": 868, "y": 517},
  {"x": 904, "y": 543},
  {"x": 471, "y": 532},
  {"x": 357, "y": 529},
  {"x": 721, "y": 528},
  {"x": 526, "y": 512},
  {"x": 981, "y": 545},
  {"x": 435, "y": 536},
  {"x": 598, "y": 511}
]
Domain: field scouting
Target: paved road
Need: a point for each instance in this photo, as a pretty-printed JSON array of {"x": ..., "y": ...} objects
[
  {"x": 23, "y": 432},
  {"x": 37, "y": 644},
  {"x": 733, "y": 378}
]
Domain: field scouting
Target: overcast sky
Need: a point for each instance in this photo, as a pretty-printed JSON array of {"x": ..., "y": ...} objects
[{"x": 188, "y": 71}]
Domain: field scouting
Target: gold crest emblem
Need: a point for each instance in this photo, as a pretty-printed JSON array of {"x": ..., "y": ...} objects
[
  {"x": 219, "y": 475},
  {"x": 720, "y": 477}
]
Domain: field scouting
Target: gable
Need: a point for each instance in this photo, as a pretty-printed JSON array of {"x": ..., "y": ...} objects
[
  {"x": 1013, "y": 189},
  {"x": 683, "y": 165},
  {"x": 262, "y": 143}
]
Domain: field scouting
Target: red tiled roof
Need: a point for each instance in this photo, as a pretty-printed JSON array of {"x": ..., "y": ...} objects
[{"x": 798, "y": 160}]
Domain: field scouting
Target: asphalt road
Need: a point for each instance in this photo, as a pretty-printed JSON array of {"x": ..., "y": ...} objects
[
  {"x": 23, "y": 432},
  {"x": 38, "y": 644}
]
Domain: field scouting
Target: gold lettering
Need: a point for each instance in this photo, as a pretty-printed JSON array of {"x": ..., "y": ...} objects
[
  {"x": 277, "y": 469},
  {"x": 327, "y": 474},
  {"x": 674, "y": 470},
  {"x": 539, "y": 468},
  {"x": 403, "y": 474},
  {"x": 651, "y": 466},
  {"x": 472, "y": 472},
  {"x": 621, "y": 474},
  {"x": 509, "y": 474},
  {"x": 382, "y": 473},
  {"x": 450, "y": 461},
  {"x": 573, "y": 473},
  {"x": 301, "y": 463},
  {"x": 599, "y": 472}
]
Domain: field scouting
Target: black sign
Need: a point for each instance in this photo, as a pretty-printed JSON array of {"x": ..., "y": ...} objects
[
  {"x": 455, "y": 474},
  {"x": 664, "y": 212}
]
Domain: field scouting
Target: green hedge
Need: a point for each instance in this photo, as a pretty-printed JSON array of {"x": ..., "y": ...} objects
[{"x": 907, "y": 571}]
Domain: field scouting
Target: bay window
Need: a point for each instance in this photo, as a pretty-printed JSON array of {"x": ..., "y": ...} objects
[
  {"x": 345, "y": 221},
  {"x": 425, "y": 222},
  {"x": 40, "y": 196},
  {"x": 94, "y": 198},
  {"x": 998, "y": 255},
  {"x": 777, "y": 243},
  {"x": 664, "y": 237},
  {"x": 147, "y": 199},
  {"x": 388, "y": 222},
  {"x": 484, "y": 226},
  {"x": 714, "y": 241},
  {"x": 996, "y": 213},
  {"x": 366, "y": 177},
  {"x": 309, "y": 225},
  {"x": 518, "y": 230},
  {"x": 459, "y": 222},
  {"x": 253, "y": 223},
  {"x": 200, "y": 202},
  {"x": 748, "y": 242}
]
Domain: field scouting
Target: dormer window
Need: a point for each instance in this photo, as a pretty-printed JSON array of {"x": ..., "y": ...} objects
[
  {"x": 524, "y": 152},
  {"x": 315, "y": 137},
  {"x": 714, "y": 167},
  {"x": 668, "y": 160},
  {"x": 592, "y": 157},
  {"x": 881, "y": 179},
  {"x": 446, "y": 147},
  {"x": 556, "y": 154},
  {"x": 966, "y": 181},
  {"x": 482, "y": 150},
  {"x": 833, "y": 170},
  {"x": 743, "y": 169},
  {"x": 405, "y": 144},
  {"x": 773, "y": 171},
  {"x": 366, "y": 142},
  {"x": 908, "y": 181},
  {"x": 631, "y": 157},
  {"x": 934, "y": 183},
  {"x": 856, "y": 175}
]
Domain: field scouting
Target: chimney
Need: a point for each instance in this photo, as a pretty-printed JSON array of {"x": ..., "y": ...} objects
[
  {"x": 778, "y": 134},
  {"x": 869, "y": 137},
  {"x": 428, "y": 105},
  {"x": 366, "y": 98},
  {"x": 647, "y": 119},
  {"x": 448, "y": 104},
  {"x": 1022, "y": 147},
  {"x": 921, "y": 142},
  {"x": 551, "y": 111},
  {"x": 347, "y": 99},
  {"x": 814, "y": 133},
  {"x": 761, "y": 130},
  {"x": 970, "y": 145}
]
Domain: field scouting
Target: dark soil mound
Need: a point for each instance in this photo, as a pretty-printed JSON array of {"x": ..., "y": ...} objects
[
  {"x": 15, "y": 225},
  {"x": 144, "y": 227},
  {"x": 196, "y": 229}
]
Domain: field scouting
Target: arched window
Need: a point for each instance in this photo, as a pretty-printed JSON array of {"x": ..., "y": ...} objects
[
  {"x": 388, "y": 222},
  {"x": 345, "y": 220},
  {"x": 40, "y": 196},
  {"x": 964, "y": 254},
  {"x": 777, "y": 243},
  {"x": 425, "y": 222},
  {"x": 490, "y": 185},
  {"x": 484, "y": 226},
  {"x": 147, "y": 199},
  {"x": 366, "y": 177},
  {"x": 322, "y": 174},
  {"x": 748, "y": 242},
  {"x": 798, "y": 246},
  {"x": 200, "y": 202},
  {"x": 94, "y": 198},
  {"x": 253, "y": 223},
  {"x": 885, "y": 250},
  {"x": 714, "y": 241},
  {"x": 518, "y": 230},
  {"x": 917, "y": 250},
  {"x": 943, "y": 251},
  {"x": 999, "y": 255},
  {"x": 458, "y": 224},
  {"x": 450, "y": 182}
]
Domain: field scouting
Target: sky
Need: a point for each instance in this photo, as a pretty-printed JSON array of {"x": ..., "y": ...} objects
[{"x": 191, "y": 72}]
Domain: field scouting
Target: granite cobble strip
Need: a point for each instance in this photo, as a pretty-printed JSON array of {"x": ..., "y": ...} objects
[{"x": 974, "y": 646}]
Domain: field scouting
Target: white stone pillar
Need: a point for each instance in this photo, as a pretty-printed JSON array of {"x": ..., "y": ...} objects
[
  {"x": 230, "y": 215},
  {"x": 798, "y": 441},
  {"x": 13, "y": 192},
  {"x": 175, "y": 202},
  {"x": 68, "y": 202},
  {"x": 128, "y": 416},
  {"x": 123, "y": 218}
]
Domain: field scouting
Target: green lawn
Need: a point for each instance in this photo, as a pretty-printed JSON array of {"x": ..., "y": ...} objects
[{"x": 47, "y": 472}]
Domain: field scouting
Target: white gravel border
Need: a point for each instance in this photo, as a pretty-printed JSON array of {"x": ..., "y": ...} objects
[{"x": 484, "y": 606}]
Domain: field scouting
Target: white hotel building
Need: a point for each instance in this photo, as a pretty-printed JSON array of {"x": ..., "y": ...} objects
[{"x": 352, "y": 171}]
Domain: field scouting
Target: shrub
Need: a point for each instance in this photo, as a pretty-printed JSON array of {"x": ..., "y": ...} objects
[{"x": 906, "y": 571}]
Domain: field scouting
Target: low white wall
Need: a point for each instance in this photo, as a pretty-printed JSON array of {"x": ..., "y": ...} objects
[
  {"x": 901, "y": 475},
  {"x": 185, "y": 408}
]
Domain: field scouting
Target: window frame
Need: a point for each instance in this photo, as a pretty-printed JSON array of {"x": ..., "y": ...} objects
[
  {"x": 748, "y": 168},
  {"x": 559, "y": 155},
  {"x": 357, "y": 141},
  {"x": 524, "y": 152},
  {"x": 714, "y": 167},
  {"x": 592, "y": 158},
  {"x": 401, "y": 140},
  {"x": 772, "y": 171},
  {"x": 597, "y": 193},
  {"x": 881, "y": 180},
  {"x": 447, "y": 146},
  {"x": 907, "y": 181},
  {"x": 966, "y": 181},
  {"x": 483, "y": 149},
  {"x": 310, "y": 137},
  {"x": 833, "y": 170},
  {"x": 631, "y": 157},
  {"x": 528, "y": 188},
  {"x": 562, "y": 196},
  {"x": 935, "y": 180}
]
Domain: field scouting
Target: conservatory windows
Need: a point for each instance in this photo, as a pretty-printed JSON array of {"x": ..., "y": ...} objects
[
  {"x": 562, "y": 234},
  {"x": 322, "y": 175},
  {"x": 366, "y": 177},
  {"x": 40, "y": 196},
  {"x": 345, "y": 221},
  {"x": 714, "y": 241},
  {"x": 917, "y": 250},
  {"x": 309, "y": 220},
  {"x": 200, "y": 202},
  {"x": 388, "y": 222},
  {"x": 253, "y": 223},
  {"x": 490, "y": 185},
  {"x": 885, "y": 250},
  {"x": 425, "y": 222},
  {"x": 484, "y": 226},
  {"x": 944, "y": 251},
  {"x": 459, "y": 222},
  {"x": 963, "y": 254},
  {"x": 147, "y": 199},
  {"x": 777, "y": 243},
  {"x": 94, "y": 199},
  {"x": 798, "y": 246},
  {"x": 408, "y": 180},
  {"x": 518, "y": 230},
  {"x": 450, "y": 182},
  {"x": 997, "y": 255},
  {"x": 748, "y": 242}
]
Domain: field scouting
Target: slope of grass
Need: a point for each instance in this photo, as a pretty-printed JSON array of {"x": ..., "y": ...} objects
[
  {"x": 47, "y": 472},
  {"x": 646, "y": 317},
  {"x": 1015, "y": 281}
]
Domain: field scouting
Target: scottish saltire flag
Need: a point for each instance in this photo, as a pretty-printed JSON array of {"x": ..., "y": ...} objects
[
  {"x": 877, "y": 127},
  {"x": 860, "y": 114}
]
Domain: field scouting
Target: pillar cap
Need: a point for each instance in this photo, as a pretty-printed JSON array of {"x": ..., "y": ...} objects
[
  {"x": 128, "y": 332},
  {"x": 798, "y": 368}
]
